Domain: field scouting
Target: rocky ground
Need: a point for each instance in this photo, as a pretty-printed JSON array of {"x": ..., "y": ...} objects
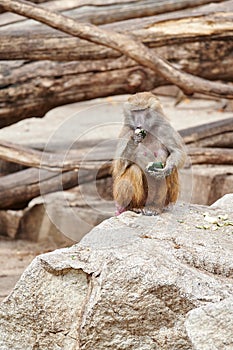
[{"x": 133, "y": 282}]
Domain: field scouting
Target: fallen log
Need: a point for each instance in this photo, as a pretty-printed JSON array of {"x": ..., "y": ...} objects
[
  {"x": 25, "y": 87},
  {"x": 123, "y": 44},
  {"x": 211, "y": 155},
  {"x": 32, "y": 89},
  {"x": 72, "y": 160},
  {"x": 208, "y": 131},
  {"x": 34, "y": 96},
  {"x": 17, "y": 189},
  {"x": 100, "y": 11},
  {"x": 204, "y": 23},
  {"x": 221, "y": 140},
  {"x": 35, "y": 1}
]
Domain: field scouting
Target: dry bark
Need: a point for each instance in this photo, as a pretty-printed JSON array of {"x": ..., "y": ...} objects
[
  {"x": 224, "y": 140},
  {"x": 211, "y": 155},
  {"x": 122, "y": 43},
  {"x": 47, "y": 85},
  {"x": 108, "y": 11},
  {"x": 72, "y": 160},
  {"x": 35, "y": 1}
]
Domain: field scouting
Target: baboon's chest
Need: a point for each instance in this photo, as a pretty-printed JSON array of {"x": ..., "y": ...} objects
[{"x": 149, "y": 151}]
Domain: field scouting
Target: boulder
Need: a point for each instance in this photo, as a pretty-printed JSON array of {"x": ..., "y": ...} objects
[
  {"x": 225, "y": 202},
  {"x": 133, "y": 282}
]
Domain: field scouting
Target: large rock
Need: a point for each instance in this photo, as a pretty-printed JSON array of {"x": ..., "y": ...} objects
[
  {"x": 134, "y": 282},
  {"x": 225, "y": 202}
]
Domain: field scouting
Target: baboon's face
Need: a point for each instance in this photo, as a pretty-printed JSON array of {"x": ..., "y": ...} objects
[{"x": 140, "y": 118}]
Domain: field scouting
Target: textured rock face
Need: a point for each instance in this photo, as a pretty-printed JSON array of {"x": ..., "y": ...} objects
[
  {"x": 225, "y": 202},
  {"x": 133, "y": 282},
  {"x": 211, "y": 327}
]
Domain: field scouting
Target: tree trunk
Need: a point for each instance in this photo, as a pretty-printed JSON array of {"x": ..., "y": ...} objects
[
  {"x": 35, "y": 1},
  {"x": 219, "y": 140},
  {"x": 72, "y": 160}
]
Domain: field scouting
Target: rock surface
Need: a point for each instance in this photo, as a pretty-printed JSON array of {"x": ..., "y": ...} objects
[
  {"x": 211, "y": 327},
  {"x": 225, "y": 202},
  {"x": 133, "y": 282}
]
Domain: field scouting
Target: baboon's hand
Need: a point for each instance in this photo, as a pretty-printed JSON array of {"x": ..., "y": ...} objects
[
  {"x": 137, "y": 139},
  {"x": 159, "y": 173},
  {"x": 139, "y": 135}
]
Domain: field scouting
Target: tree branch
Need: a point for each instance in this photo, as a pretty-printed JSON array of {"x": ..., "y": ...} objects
[{"x": 122, "y": 43}]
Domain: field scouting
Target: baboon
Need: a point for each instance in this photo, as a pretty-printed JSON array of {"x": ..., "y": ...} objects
[{"x": 149, "y": 154}]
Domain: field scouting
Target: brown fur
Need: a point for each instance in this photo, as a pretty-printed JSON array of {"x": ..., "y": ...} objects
[
  {"x": 130, "y": 187},
  {"x": 173, "y": 187}
]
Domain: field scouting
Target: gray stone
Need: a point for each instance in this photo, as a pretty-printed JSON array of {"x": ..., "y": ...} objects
[
  {"x": 211, "y": 327},
  {"x": 225, "y": 202},
  {"x": 131, "y": 283}
]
